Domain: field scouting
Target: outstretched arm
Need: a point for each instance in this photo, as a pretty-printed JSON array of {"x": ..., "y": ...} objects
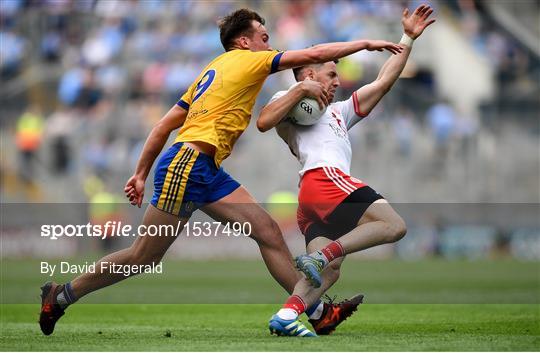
[
  {"x": 322, "y": 53},
  {"x": 174, "y": 118},
  {"x": 413, "y": 26}
]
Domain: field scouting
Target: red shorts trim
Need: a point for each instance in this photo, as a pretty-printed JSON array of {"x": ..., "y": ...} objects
[{"x": 321, "y": 191}]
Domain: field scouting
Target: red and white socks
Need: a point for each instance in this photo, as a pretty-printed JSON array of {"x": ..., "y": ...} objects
[
  {"x": 328, "y": 253},
  {"x": 293, "y": 307}
]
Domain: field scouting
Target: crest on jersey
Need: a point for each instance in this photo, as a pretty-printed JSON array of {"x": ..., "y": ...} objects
[{"x": 337, "y": 124}]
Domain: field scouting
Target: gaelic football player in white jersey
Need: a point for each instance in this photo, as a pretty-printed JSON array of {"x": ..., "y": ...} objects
[{"x": 338, "y": 214}]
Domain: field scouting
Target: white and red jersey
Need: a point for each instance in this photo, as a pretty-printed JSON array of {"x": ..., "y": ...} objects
[
  {"x": 324, "y": 152},
  {"x": 326, "y": 143}
]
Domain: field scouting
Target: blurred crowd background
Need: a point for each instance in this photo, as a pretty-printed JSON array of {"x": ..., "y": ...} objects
[{"x": 84, "y": 81}]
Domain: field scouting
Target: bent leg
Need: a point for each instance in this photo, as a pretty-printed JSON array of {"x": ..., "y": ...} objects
[
  {"x": 240, "y": 206},
  {"x": 145, "y": 250},
  {"x": 331, "y": 273},
  {"x": 329, "y": 276},
  {"x": 380, "y": 224}
]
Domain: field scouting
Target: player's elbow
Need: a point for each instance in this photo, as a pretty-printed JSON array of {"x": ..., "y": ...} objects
[
  {"x": 162, "y": 129},
  {"x": 313, "y": 55},
  {"x": 263, "y": 125}
]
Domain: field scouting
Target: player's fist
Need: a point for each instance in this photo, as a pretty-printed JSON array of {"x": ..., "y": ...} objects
[
  {"x": 381, "y": 45},
  {"x": 414, "y": 25},
  {"x": 134, "y": 190}
]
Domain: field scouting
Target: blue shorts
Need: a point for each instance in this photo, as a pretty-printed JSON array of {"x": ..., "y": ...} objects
[{"x": 186, "y": 179}]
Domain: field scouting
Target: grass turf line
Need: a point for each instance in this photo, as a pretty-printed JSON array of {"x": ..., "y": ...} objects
[
  {"x": 466, "y": 325},
  {"x": 227, "y": 327}
]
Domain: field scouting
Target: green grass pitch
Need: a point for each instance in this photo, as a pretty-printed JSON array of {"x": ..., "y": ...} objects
[{"x": 415, "y": 306}]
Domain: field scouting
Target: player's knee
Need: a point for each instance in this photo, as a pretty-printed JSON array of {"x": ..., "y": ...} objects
[
  {"x": 269, "y": 234},
  {"x": 397, "y": 229},
  {"x": 139, "y": 256}
]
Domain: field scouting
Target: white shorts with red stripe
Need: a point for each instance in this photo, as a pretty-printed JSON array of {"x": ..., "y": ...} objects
[{"x": 321, "y": 191}]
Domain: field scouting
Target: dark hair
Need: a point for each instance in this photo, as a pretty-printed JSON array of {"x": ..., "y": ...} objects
[
  {"x": 237, "y": 24},
  {"x": 297, "y": 71}
]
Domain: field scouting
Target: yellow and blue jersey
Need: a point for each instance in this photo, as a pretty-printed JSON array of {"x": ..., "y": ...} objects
[
  {"x": 221, "y": 99},
  {"x": 219, "y": 106}
]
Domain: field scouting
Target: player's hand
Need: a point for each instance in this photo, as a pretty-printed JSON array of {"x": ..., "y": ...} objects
[
  {"x": 316, "y": 91},
  {"x": 414, "y": 25},
  {"x": 134, "y": 190},
  {"x": 380, "y": 45}
]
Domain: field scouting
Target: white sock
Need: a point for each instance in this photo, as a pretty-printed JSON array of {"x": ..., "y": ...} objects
[
  {"x": 287, "y": 314},
  {"x": 61, "y": 299},
  {"x": 316, "y": 315}
]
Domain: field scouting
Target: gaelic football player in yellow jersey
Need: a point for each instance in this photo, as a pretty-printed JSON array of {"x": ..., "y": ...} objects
[{"x": 211, "y": 115}]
